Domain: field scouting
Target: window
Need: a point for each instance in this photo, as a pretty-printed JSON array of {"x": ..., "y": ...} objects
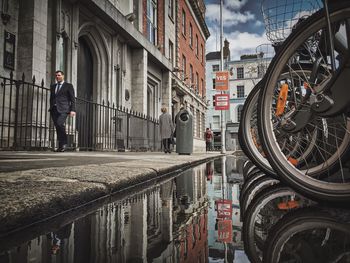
[
  {"x": 198, "y": 122},
  {"x": 202, "y": 54},
  {"x": 215, "y": 68},
  {"x": 191, "y": 35},
  {"x": 152, "y": 21},
  {"x": 171, "y": 9},
  {"x": 203, "y": 125},
  {"x": 240, "y": 73},
  {"x": 214, "y": 101},
  {"x": 216, "y": 122},
  {"x": 136, "y": 11},
  {"x": 197, "y": 82},
  {"x": 183, "y": 67},
  {"x": 196, "y": 45},
  {"x": 183, "y": 22},
  {"x": 191, "y": 74},
  {"x": 202, "y": 87},
  {"x": 240, "y": 91},
  {"x": 239, "y": 112},
  {"x": 171, "y": 52},
  {"x": 214, "y": 86}
]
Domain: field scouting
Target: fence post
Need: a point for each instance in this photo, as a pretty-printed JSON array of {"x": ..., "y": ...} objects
[
  {"x": 127, "y": 128},
  {"x": 17, "y": 84}
]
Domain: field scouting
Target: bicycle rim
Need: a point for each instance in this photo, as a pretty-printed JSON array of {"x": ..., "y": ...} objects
[{"x": 335, "y": 131}]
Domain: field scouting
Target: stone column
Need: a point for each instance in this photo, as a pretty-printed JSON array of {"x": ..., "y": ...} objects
[
  {"x": 166, "y": 89},
  {"x": 138, "y": 235},
  {"x": 139, "y": 80},
  {"x": 31, "y": 60},
  {"x": 32, "y": 38}
]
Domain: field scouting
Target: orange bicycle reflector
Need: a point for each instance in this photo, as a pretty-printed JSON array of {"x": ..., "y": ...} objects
[
  {"x": 282, "y": 99},
  {"x": 293, "y": 161},
  {"x": 288, "y": 205},
  {"x": 306, "y": 85}
]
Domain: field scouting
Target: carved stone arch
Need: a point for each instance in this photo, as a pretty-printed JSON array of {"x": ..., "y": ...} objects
[{"x": 97, "y": 44}]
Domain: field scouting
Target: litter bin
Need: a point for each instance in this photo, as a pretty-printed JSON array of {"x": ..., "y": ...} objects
[{"x": 184, "y": 132}]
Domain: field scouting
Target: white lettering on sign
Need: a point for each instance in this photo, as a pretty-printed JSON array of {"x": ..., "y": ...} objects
[
  {"x": 222, "y": 103},
  {"x": 221, "y": 77}
]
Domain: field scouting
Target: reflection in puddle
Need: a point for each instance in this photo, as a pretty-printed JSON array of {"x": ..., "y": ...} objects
[
  {"x": 174, "y": 221},
  {"x": 194, "y": 217}
]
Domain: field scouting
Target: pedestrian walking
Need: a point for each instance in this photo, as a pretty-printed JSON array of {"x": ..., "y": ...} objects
[
  {"x": 166, "y": 127},
  {"x": 208, "y": 139},
  {"x": 62, "y": 104}
]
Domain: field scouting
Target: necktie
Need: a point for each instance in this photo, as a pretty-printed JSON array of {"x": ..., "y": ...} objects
[{"x": 58, "y": 86}]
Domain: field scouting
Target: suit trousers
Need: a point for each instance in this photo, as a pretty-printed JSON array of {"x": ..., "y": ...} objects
[{"x": 59, "y": 120}]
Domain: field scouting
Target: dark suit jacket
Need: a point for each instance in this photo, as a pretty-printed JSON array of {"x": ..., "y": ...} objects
[{"x": 64, "y": 99}]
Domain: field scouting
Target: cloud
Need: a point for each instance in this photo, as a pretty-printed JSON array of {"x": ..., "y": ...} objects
[
  {"x": 234, "y": 4},
  {"x": 230, "y": 18},
  {"x": 240, "y": 42}
]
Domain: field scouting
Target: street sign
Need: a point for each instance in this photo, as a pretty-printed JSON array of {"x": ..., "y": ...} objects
[
  {"x": 221, "y": 80},
  {"x": 222, "y": 101},
  {"x": 225, "y": 231},
  {"x": 224, "y": 208}
]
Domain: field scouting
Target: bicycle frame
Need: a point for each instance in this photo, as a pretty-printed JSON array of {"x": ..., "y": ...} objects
[{"x": 330, "y": 100}]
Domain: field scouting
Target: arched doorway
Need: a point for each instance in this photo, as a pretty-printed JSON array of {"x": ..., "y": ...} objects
[{"x": 85, "y": 80}]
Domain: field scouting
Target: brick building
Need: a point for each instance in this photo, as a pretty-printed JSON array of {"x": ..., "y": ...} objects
[{"x": 188, "y": 81}]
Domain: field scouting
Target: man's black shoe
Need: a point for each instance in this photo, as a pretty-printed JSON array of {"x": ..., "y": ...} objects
[{"x": 63, "y": 148}]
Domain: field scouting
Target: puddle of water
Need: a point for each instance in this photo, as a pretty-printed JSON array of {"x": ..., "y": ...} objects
[
  {"x": 194, "y": 217},
  {"x": 174, "y": 221}
]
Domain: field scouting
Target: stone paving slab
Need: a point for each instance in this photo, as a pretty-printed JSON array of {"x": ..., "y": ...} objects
[{"x": 31, "y": 195}]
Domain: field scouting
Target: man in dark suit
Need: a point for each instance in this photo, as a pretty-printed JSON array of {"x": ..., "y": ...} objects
[{"x": 62, "y": 103}]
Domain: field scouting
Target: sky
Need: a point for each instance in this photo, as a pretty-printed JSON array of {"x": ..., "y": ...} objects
[{"x": 243, "y": 26}]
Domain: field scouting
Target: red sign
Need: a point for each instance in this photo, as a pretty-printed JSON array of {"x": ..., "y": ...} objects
[
  {"x": 221, "y": 80},
  {"x": 224, "y": 208},
  {"x": 225, "y": 231},
  {"x": 222, "y": 101}
]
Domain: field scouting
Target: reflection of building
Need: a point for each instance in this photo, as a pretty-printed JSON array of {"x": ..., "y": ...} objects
[
  {"x": 191, "y": 219},
  {"x": 217, "y": 190},
  {"x": 153, "y": 226}
]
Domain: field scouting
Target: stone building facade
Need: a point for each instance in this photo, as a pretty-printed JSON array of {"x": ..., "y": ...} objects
[{"x": 115, "y": 52}]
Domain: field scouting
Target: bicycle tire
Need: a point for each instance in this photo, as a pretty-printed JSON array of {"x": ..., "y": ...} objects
[
  {"x": 297, "y": 222},
  {"x": 307, "y": 185},
  {"x": 256, "y": 187},
  {"x": 260, "y": 201}
]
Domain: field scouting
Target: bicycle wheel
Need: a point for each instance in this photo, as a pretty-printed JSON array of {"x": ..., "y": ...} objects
[
  {"x": 248, "y": 182},
  {"x": 284, "y": 110},
  {"x": 309, "y": 235},
  {"x": 248, "y": 132},
  {"x": 263, "y": 212},
  {"x": 247, "y": 195}
]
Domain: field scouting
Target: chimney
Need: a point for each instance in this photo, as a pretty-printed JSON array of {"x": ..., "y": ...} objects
[{"x": 226, "y": 50}]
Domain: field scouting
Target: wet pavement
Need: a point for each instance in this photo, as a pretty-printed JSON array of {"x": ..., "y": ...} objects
[
  {"x": 194, "y": 216},
  {"x": 38, "y": 185}
]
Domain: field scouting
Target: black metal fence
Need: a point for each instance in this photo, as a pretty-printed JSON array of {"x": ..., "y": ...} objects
[{"x": 25, "y": 122}]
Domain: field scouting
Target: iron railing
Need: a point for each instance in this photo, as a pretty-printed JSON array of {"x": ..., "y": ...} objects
[{"x": 25, "y": 122}]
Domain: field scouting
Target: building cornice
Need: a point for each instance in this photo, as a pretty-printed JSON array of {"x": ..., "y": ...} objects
[
  {"x": 200, "y": 17},
  {"x": 113, "y": 17}
]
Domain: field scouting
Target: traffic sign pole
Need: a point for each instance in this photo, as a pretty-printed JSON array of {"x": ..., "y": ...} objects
[{"x": 223, "y": 150}]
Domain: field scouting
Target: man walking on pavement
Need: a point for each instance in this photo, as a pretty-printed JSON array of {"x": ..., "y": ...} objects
[{"x": 62, "y": 103}]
